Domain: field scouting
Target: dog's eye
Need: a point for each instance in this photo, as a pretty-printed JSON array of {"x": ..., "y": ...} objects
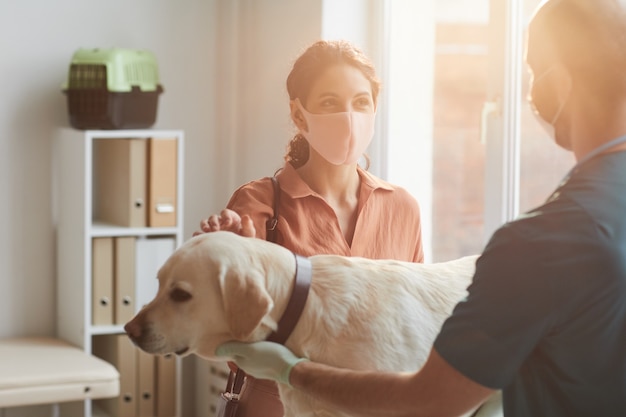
[{"x": 179, "y": 295}]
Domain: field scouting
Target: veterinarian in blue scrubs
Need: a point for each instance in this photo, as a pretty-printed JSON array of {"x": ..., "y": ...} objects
[{"x": 545, "y": 319}]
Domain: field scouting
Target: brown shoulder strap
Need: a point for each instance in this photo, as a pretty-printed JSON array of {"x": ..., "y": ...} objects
[
  {"x": 270, "y": 225},
  {"x": 235, "y": 381}
]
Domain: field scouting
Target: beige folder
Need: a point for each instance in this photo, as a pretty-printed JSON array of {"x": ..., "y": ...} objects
[
  {"x": 120, "y": 352},
  {"x": 102, "y": 281},
  {"x": 151, "y": 252},
  {"x": 166, "y": 386},
  {"x": 146, "y": 367},
  {"x": 120, "y": 181},
  {"x": 124, "y": 282},
  {"x": 162, "y": 169}
]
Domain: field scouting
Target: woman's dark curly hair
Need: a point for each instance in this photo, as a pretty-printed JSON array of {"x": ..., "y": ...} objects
[{"x": 316, "y": 59}]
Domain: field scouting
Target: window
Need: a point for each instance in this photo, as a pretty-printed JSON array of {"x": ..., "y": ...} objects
[{"x": 458, "y": 131}]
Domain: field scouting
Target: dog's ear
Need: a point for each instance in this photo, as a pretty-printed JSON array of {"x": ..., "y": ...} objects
[{"x": 246, "y": 301}]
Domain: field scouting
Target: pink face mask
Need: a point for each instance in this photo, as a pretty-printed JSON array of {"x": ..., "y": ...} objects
[{"x": 340, "y": 138}]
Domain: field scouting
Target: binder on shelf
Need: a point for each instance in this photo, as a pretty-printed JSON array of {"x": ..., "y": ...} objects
[
  {"x": 150, "y": 254},
  {"x": 166, "y": 386},
  {"x": 118, "y": 350},
  {"x": 102, "y": 281},
  {"x": 124, "y": 279},
  {"x": 146, "y": 367},
  {"x": 120, "y": 181},
  {"x": 217, "y": 379},
  {"x": 162, "y": 174}
]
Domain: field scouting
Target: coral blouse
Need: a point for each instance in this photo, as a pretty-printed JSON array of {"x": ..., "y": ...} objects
[{"x": 387, "y": 226}]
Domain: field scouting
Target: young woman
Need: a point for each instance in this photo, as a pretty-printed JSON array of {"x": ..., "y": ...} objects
[{"x": 328, "y": 203}]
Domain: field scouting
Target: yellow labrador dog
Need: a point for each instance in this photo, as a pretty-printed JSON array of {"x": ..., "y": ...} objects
[{"x": 360, "y": 313}]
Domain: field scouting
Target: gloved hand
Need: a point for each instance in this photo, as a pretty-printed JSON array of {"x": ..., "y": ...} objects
[{"x": 262, "y": 360}]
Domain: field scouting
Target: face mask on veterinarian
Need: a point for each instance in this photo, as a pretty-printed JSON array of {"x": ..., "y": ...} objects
[
  {"x": 340, "y": 138},
  {"x": 538, "y": 103}
]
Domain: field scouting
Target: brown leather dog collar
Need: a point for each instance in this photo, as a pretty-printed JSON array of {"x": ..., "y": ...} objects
[{"x": 296, "y": 303}]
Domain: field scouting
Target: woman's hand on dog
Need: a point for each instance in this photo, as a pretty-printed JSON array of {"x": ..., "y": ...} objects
[{"x": 227, "y": 220}]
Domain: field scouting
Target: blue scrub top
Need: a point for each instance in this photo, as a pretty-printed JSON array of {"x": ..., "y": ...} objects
[{"x": 545, "y": 318}]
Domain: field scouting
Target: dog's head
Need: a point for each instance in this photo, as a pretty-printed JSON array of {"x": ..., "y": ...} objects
[{"x": 210, "y": 290}]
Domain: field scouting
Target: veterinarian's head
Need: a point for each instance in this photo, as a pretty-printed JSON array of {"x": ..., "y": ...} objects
[
  {"x": 333, "y": 92},
  {"x": 576, "y": 53}
]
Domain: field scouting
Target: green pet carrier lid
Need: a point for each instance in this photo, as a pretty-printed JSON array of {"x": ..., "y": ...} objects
[{"x": 117, "y": 69}]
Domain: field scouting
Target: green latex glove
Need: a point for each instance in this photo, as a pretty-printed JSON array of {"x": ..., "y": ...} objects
[{"x": 262, "y": 360}]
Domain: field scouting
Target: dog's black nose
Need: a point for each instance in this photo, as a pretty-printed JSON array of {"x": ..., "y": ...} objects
[{"x": 132, "y": 330}]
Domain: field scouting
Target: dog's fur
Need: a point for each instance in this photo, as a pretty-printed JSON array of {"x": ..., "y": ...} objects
[{"x": 360, "y": 313}]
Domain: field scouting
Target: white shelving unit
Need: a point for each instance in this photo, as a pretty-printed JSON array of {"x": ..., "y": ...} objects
[{"x": 73, "y": 199}]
